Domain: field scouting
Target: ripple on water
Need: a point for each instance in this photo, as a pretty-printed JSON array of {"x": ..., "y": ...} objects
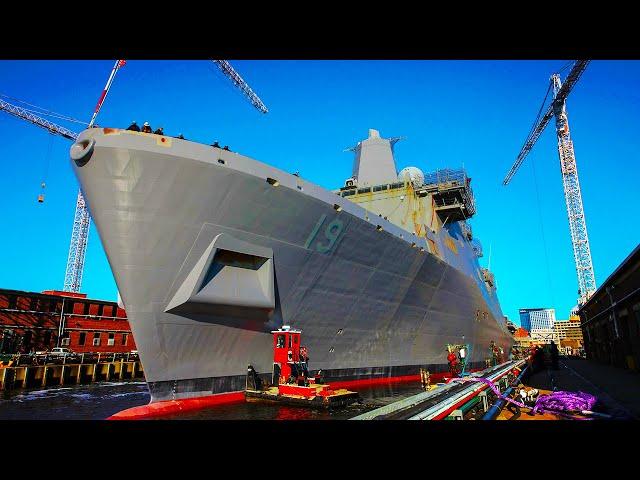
[{"x": 100, "y": 400}]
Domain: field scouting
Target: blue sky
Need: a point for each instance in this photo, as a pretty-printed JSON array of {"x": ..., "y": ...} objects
[{"x": 453, "y": 113}]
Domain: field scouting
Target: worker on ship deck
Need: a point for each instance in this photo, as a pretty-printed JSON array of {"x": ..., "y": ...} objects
[
  {"x": 146, "y": 128},
  {"x": 133, "y": 127},
  {"x": 159, "y": 131},
  {"x": 304, "y": 361},
  {"x": 180, "y": 136},
  {"x": 215, "y": 144}
]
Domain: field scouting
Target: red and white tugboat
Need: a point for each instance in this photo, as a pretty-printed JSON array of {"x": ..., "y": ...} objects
[{"x": 290, "y": 380}]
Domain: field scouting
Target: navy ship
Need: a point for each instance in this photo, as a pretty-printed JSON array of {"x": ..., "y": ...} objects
[{"x": 212, "y": 250}]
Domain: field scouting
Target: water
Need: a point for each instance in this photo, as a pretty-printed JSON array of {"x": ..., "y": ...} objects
[
  {"x": 78, "y": 402},
  {"x": 100, "y": 400}
]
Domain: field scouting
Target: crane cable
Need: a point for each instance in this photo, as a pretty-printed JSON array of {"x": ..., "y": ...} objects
[
  {"x": 42, "y": 111},
  {"x": 565, "y": 66},
  {"x": 535, "y": 182},
  {"x": 544, "y": 242},
  {"x": 46, "y": 170},
  {"x": 535, "y": 122}
]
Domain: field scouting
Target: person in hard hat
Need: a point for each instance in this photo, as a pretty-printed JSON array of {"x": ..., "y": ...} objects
[
  {"x": 159, "y": 131},
  {"x": 226, "y": 147},
  {"x": 146, "y": 128},
  {"x": 134, "y": 127}
]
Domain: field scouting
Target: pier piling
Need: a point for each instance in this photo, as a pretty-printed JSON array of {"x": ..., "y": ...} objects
[{"x": 76, "y": 373}]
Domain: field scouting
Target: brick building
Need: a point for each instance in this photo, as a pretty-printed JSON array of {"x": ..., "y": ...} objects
[
  {"x": 31, "y": 321},
  {"x": 611, "y": 317}
]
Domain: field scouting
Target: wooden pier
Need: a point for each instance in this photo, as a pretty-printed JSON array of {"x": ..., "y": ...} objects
[{"x": 72, "y": 373}]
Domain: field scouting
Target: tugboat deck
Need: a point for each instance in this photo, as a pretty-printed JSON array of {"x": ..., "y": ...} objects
[{"x": 332, "y": 398}]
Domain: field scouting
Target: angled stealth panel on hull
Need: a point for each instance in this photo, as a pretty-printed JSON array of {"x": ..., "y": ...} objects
[{"x": 232, "y": 278}]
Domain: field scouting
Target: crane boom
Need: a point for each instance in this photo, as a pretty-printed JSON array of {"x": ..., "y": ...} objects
[
  {"x": 81, "y": 220},
  {"x": 24, "y": 114},
  {"x": 575, "y": 73},
  {"x": 119, "y": 64},
  {"x": 529, "y": 143},
  {"x": 239, "y": 82},
  {"x": 573, "y": 77}
]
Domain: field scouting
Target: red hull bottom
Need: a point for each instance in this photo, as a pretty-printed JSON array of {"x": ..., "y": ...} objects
[{"x": 174, "y": 407}]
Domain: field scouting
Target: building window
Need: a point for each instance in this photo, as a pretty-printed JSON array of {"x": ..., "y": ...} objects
[
  {"x": 82, "y": 338},
  {"x": 125, "y": 338},
  {"x": 96, "y": 339},
  {"x": 34, "y": 305},
  {"x": 111, "y": 341}
]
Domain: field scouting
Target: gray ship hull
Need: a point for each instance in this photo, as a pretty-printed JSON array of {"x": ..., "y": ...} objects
[{"x": 370, "y": 299}]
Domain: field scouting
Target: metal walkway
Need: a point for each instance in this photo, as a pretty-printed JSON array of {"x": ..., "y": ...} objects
[{"x": 441, "y": 401}]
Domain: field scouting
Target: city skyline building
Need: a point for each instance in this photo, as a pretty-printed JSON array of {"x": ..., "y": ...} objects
[{"x": 537, "y": 318}]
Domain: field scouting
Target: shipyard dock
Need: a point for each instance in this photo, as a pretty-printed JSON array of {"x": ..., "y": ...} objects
[
  {"x": 617, "y": 394},
  {"x": 108, "y": 368}
]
